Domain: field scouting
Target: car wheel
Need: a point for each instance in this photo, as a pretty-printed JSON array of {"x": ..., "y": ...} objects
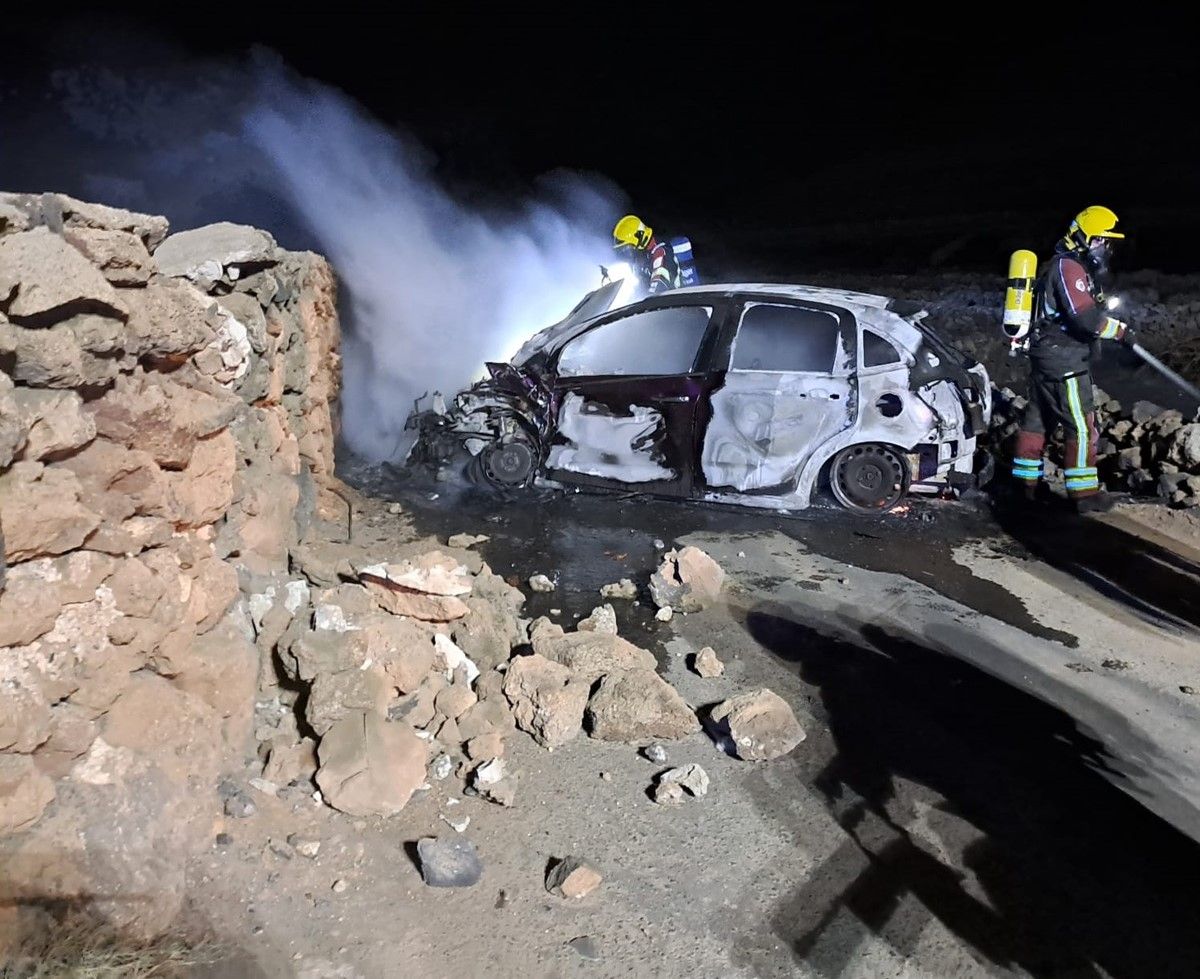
[
  {"x": 868, "y": 478},
  {"x": 507, "y": 464}
]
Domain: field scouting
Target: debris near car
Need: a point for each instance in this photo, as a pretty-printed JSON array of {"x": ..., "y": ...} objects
[
  {"x": 706, "y": 663},
  {"x": 759, "y": 725},
  {"x": 688, "y": 580},
  {"x": 572, "y": 878},
  {"x": 675, "y": 785},
  {"x": 784, "y": 389}
]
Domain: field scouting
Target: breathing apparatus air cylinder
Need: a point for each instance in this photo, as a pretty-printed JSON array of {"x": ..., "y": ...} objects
[{"x": 1018, "y": 299}]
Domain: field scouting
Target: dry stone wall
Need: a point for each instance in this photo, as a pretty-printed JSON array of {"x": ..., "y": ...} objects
[{"x": 167, "y": 420}]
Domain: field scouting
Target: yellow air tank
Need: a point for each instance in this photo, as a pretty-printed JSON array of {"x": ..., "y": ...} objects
[{"x": 1018, "y": 298}]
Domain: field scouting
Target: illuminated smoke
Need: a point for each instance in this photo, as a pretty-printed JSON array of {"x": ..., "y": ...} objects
[{"x": 431, "y": 287}]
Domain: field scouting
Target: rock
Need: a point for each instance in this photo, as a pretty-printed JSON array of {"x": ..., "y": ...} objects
[
  {"x": 306, "y": 846},
  {"x": 72, "y": 731},
  {"x": 454, "y": 700},
  {"x": 447, "y": 731},
  {"x": 441, "y": 767},
  {"x": 502, "y": 793},
  {"x": 486, "y": 717},
  {"x": 13, "y": 430},
  {"x": 485, "y": 747},
  {"x": 638, "y": 705},
  {"x": 12, "y": 218},
  {"x": 488, "y": 633},
  {"x": 656, "y": 753},
  {"x": 1143, "y": 411},
  {"x": 449, "y": 658},
  {"x": 433, "y": 573},
  {"x": 24, "y": 793},
  {"x": 467, "y": 540},
  {"x": 590, "y": 655},
  {"x": 602, "y": 619},
  {"x": 169, "y": 321},
  {"x": 492, "y": 782},
  {"x": 664, "y": 614},
  {"x": 204, "y": 490},
  {"x": 59, "y": 210},
  {"x": 707, "y": 665},
  {"x": 238, "y": 805},
  {"x": 401, "y": 648},
  {"x": 52, "y": 281},
  {"x": 221, "y": 668},
  {"x": 622, "y": 589},
  {"x": 586, "y": 947},
  {"x": 687, "y": 581},
  {"x": 489, "y": 773},
  {"x": 547, "y": 700},
  {"x": 760, "y": 724},
  {"x": 416, "y": 710},
  {"x": 1184, "y": 448},
  {"x": 322, "y": 653},
  {"x": 160, "y": 416},
  {"x": 339, "y": 887},
  {"x": 370, "y": 767},
  {"x": 41, "y": 512},
  {"x": 290, "y": 761},
  {"x": 206, "y": 253},
  {"x": 449, "y": 863},
  {"x": 540, "y": 583},
  {"x": 1129, "y": 459},
  {"x": 415, "y": 604},
  {"x": 121, "y": 256},
  {"x": 36, "y": 592},
  {"x": 53, "y": 358},
  {"x": 691, "y": 778},
  {"x": 55, "y": 421},
  {"x": 543, "y": 629},
  {"x": 572, "y": 878},
  {"x": 334, "y": 696},
  {"x": 458, "y": 825}
]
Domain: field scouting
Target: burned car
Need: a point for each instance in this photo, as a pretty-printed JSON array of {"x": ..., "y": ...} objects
[{"x": 757, "y": 395}]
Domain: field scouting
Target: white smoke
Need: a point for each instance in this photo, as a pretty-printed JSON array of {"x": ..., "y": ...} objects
[
  {"x": 435, "y": 289},
  {"x": 431, "y": 287}
]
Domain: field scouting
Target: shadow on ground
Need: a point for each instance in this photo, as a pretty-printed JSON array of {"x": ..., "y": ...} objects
[
  {"x": 1054, "y": 870},
  {"x": 1157, "y": 584}
]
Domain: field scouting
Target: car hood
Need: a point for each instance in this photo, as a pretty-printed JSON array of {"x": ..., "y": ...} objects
[{"x": 593, "y": 304}]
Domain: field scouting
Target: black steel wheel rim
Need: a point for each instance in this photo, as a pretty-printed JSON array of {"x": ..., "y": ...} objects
[{"x": 869, "y": 477}]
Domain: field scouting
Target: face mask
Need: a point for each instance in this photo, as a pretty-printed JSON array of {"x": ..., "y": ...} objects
[{"x": 1099, "y": 253}]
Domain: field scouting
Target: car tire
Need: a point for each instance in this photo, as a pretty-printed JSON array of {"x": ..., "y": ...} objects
[
  {"x": 869, "y": 478},
  {"x": 506, "y": 465}
]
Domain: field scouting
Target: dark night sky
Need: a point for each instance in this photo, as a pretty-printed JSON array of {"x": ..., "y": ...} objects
[{"x": 855, "y": 139}]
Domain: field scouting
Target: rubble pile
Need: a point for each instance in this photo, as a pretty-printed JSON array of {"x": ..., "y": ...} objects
[
  {"x": 424, "y": 661},
  {"x": 166, "y": 428},
  {"x": 1142, "y": 449}
]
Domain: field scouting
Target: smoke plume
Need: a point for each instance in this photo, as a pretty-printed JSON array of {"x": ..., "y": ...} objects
[{"x": 431, "y": 287}]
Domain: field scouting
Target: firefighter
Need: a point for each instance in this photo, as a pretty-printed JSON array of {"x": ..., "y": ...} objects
[
  {"x": 659, "y": 265},
  {"x": 1070, "y": 319}
]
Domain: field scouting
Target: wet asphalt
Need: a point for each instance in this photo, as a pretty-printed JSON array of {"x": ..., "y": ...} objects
[{"x": 1061, "y": 873}]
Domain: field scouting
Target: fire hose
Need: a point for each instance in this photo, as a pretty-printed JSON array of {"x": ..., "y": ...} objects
[{"x": 1186, "y": 386}]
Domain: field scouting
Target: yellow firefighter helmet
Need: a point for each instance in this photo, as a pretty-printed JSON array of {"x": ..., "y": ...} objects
[
  {"x": 1092, "y": 222},
  {"x": 631, "y": 232}
]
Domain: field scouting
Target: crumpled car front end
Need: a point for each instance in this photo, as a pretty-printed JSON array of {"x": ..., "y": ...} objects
[{"x": 501, "y": 422}]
